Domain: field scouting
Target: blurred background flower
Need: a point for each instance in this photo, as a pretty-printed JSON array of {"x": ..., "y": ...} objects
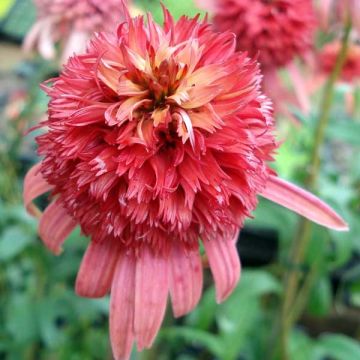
[
  {"x": 276, "y": 33},
  {"x": 70, "y": 23}
]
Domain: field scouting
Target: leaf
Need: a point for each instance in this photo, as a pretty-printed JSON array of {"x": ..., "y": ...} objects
[
  {"x": 348, "y": 132},
  {"x": 321, "y": 297},
  {"x": 257, "y": 283},
  {"x": 237, "y": 321},
  {"x": 12, "y": 242},
  {"x": 355, "y": 294},
  {"x": 300, "y": 346},
  {"x": 21, "y": 319},
  {"x": 204, "y": 315},
  {"x": 196, "y": 337},
  {"x": 339, "y": 347},
  {"x": 49, "y": 310},
  {"x": 239, "y": 317},
  {"x": 268, "y": 214}
]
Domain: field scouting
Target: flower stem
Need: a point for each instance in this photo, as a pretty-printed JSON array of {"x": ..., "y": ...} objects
[{"x": 293, "y": 298}]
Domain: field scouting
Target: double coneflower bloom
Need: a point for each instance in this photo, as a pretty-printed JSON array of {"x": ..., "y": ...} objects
[{"x": 158, "y": 139}]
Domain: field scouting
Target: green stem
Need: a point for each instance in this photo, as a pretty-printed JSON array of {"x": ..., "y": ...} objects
[{"x": 292, "y": 280}]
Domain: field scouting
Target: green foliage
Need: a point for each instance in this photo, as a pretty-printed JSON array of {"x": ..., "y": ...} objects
[{"x": 240, "y": 320}]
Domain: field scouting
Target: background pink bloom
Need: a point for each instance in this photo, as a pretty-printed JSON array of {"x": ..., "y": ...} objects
[
  {"x": 70, "y": 22},
  {"x": 275, "y": 31},
  {"x": 158, "y": 137},
  {"x": 329, "y": 54}
]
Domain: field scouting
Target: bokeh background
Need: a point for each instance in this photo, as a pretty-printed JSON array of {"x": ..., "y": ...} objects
[{"x": 42, "y": 318}]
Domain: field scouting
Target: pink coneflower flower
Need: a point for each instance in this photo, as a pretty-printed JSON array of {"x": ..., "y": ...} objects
[
  {"x": 274, "y": 31},
  {"x": 70, "y": 23},
  {"x": 329, "y": 54},
  {"x": 350, "y": 73},
  {"x": 158, "y": 138}
]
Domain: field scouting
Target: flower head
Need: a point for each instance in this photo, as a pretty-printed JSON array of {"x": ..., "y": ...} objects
[
  {"x": 275, "y": 30},
  {"x": 329, "y": 55},
  {"x": 70, "y": 22},
  {"x": 156, "y": 138}
]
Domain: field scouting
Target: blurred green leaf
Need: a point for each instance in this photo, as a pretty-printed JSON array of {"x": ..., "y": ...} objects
[
  {"x": 300, "y": 346},
  {"x": 203, "y": 317},
  {"x": 12, "y": 241},
  {"x": 271, "y": 215},
  {"x": 355, "y": 294},
  {"x": 49, "y": 310},
  {"x": 238, "y": 317},
  {"x": 196, "y": 337},
  {"x": 348, "y": 131},
  {"x": 177, "y": 8},
  {"x": 339, "y": 347},
  {"x": 21, "y": 320},
  {"x": 320, "y": 300}
]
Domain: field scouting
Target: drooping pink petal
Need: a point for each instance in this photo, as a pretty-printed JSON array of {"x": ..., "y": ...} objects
[
  {"x": 59, "y": 20},
  {"x": 324, "y": 13},
  {"x": 34, "y": 186},
  {"x": 224, "y": 264},
  {"x": 122, "y": 307},
  {"x": 55, "y": 226},
  {"x": 75, "y": 44},
  {"x": 151, "y": 290},
  {"x": 186, "y": 279},
  {"x": 97, "y": 268},
  {"x": 32, "y": 36},
  {"x": 356, "y": 14},
  {"x": 46, "y": 45},
  {"x": 303, "y": 203},
  {"x": 299, "y": 87}
]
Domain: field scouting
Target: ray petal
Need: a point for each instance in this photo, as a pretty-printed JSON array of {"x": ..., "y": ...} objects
[
  {"x": 303, "y": 203},
  {"x": 122, "y": 307},
  {"x": 97, "y": 268},
  {"x": 34, "y": 186},
  {"x": 186, "y": 279},
  {"x": 55, "y": 226},
  {"x": 151, "y": 291},
  {"x": 224, "y": 264}
]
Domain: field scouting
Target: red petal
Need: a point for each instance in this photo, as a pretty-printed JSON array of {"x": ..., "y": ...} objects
[
  {"x": 122, "y": 307},
  {"x": 97, "y": 268},
  {"x": 55, "y": 226},
  {"x": 303, "y": 203},
  {"x": 186, "y": 279},
  {"x": 224, "y": 264},
  {"x": 151, "y": 292},
  {"x": 34, "y": 186}
]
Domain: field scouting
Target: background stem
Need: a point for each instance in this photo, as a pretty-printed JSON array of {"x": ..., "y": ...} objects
[{"x": 295, "y": 298}]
